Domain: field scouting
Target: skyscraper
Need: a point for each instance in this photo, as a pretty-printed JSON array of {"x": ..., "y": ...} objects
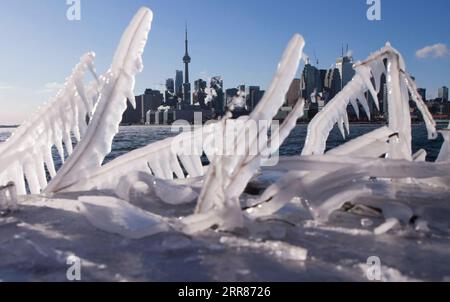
[
  {"x": 253, "y": 97},
  {"x": 150, "y": 100},
  {"x": 179, "y": 83},
  {"x": 345, "y": 66},
  {"x": 219, "y": 99},
  {"x": 332, "y": 83},
  {"x": 170, "y": 95},
  {"x": 230, "y": 94},
  {"x": 170, "y": 86},
  {"x": 310, "y": 82},
  {"x": 186, "y": 61},
  {"x": 199, "y": 95},
  {"x": 423, "y": 93},
  {"x": 443, "y": 94},
  {"x": 322, "y": 75}
]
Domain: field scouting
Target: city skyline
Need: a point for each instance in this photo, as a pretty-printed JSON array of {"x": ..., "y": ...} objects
[{"x": 225, "y": 39}]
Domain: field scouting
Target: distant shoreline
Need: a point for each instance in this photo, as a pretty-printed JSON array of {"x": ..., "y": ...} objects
[{"x": 300, "y": 123}]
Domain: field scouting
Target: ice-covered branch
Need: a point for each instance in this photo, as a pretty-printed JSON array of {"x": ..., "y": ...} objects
[
  {"x": 229, "y": 175},
  {"x": 368, "y": 80},
  {"x": 28, "y": 152},
  {"x": 119, "y": 84},
  {"x": 177, "y": 157}
]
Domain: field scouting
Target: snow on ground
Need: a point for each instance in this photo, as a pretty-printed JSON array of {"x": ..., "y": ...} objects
[{"x": 36, "y": 241}]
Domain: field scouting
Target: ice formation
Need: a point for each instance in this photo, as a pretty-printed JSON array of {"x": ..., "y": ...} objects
[
  {"x": 26, "y": 152},
  {"x": 117, "y": 87},
  {"x": 8, "y": 197},
  {"x": 377, "y": 168}
]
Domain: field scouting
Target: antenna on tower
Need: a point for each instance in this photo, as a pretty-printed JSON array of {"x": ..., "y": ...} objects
[{"x": 315, "y": 58}]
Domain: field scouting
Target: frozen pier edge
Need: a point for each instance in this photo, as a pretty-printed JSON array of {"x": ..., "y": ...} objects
[{"x": 161, "y": 200}]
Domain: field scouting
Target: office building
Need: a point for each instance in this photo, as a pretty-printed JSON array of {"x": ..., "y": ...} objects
[{"x": 443, "y": 94}]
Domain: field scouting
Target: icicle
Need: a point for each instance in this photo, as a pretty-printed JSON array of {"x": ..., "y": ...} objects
[
  {"x": 229, "y": 175},
  {"x": 363, "y": 101},
  {"x": 32, "y": 178},
  {"x": 340, "y": 124},
  {"x": 366, "y": 77},
  {"x": 378, "y": 69},
  {"x": 131, "y": 98},
  {"x": 355, "y": 106}
]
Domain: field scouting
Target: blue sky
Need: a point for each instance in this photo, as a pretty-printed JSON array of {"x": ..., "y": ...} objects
[{"x": 241, "y": 40}]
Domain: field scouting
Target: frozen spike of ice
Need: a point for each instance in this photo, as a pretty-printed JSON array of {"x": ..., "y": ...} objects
[
  {"x": 340, "y": 124},
  {"x": 78, "y": 81},
  {"x": 156, "y": 168},
  {"x": 365, "y": 104},
  {"x": 131, "y": 98},
  {"x": 120, "y": 80},
  {"x": 108, "y": 176},
  {"x": 68, "y": 143},
  {"x": 176, "y": 168},
  {"x": 355, "y": 106},
  {"x": 346, "y": 122},
  {"x": 427, "y": 117},
  {"x": 32, "y": 179},
  {"x": 128, "y": 57},
  {"x": 60, "y": 149},
  {"x": 40, "y": 170},
  {"x": 36, "y": 137},
  {"x": 377, "y": 70},
  {"x": 366, "y": 76},
  {"x": 190, "y": 166},
  {"x": 228, "y": 176},
  {"x": 49, "y": 163},
  {"x": 19, "y": 179},
  {"x": 354, "y": 146}
]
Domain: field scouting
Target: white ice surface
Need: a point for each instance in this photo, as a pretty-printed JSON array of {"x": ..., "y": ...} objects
[{"x": 36, "y": 241}]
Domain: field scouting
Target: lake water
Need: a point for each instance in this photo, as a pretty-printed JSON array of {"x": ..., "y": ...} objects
[{"x": 133, "y": 137}]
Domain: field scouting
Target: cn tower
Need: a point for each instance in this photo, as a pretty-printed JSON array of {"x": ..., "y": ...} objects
[{"x": 186, "y": 60}]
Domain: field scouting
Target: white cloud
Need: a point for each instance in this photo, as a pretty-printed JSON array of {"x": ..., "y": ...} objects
[
  {"x": 439, "y": 50},
  {"x": 52, "y": 87}
]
